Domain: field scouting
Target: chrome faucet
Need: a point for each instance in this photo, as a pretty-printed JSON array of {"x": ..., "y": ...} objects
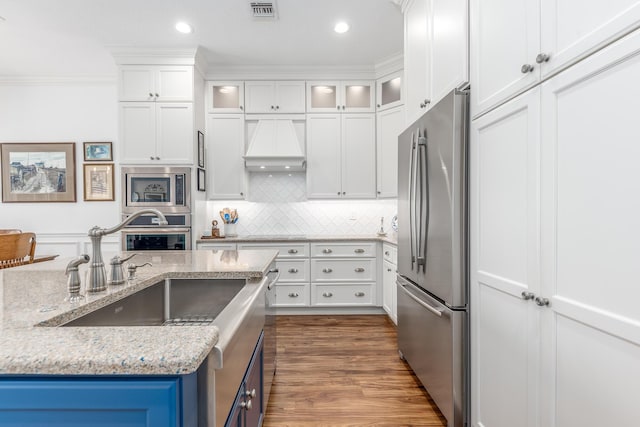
[{"x": 97, "y": 273}]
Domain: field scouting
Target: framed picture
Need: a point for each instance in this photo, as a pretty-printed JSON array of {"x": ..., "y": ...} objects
[
  {"x": 38, "y": 172},
  {"x": 201, "y": 180},
  {"x": 200, "y": 149},
  {"x": 98, "y": 182},
  {"x": 97, "y": 152}
]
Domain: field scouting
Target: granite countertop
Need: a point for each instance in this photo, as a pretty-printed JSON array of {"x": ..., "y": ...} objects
[
  {"x": 32, "y": 301},
  {"x": 391, "y": 237}
]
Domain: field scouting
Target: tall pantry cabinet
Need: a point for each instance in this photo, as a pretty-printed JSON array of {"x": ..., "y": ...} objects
[{"x": 555, "y": 335}]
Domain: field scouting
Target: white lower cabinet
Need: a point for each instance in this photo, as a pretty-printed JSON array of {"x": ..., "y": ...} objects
[
  {"x": 389, "y": 287},
  {"x": 338, "y": 279},
  {"x": 216, "y": 246},
  {"x": 555, "y": 328},
  {"x": 293, "y": 288}
]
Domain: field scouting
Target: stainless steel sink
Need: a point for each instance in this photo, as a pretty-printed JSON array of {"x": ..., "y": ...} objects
[{"x": 171, "y": 302}]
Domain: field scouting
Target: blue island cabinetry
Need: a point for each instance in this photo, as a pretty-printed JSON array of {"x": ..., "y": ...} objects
[{"x": 136, "y": 401}]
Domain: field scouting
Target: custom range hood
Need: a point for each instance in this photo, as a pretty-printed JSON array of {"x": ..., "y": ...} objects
[{"x": 275, "y": 147}]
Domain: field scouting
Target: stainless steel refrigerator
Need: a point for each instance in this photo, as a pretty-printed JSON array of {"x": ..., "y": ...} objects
[{"x": 432, "y": 253}]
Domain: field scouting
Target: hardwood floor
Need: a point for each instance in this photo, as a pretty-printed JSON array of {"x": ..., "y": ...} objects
[{"x": 344, "y": 371}]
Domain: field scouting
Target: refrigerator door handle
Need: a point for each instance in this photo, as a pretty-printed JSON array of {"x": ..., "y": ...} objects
[
  {"x": 412, "y": 205},
  {"x": 424, "y": 201},
  {"x": 436, "y": 311}
]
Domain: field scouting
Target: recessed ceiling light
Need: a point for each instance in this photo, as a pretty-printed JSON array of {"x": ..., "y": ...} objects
[
  {"x": 341, "y": 27},
  {"x": 184, "y": 28}
]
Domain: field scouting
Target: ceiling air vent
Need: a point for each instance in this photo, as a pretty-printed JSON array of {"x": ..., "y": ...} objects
[{"x": 263, "y": 10}]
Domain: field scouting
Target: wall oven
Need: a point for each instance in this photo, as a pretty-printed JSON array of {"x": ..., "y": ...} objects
[{"x": 164, "y": 188}]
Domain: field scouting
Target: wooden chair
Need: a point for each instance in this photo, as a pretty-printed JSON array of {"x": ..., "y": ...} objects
[
  {"x": 10, "y": 231},
  {"x": 19, "y": 249}
]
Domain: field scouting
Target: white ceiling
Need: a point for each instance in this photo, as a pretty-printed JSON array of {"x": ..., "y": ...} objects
[{"x": 73, "y": 37}]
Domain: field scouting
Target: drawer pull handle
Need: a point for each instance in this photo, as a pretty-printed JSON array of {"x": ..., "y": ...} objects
[
  {"x": 293, "y": 270},
  {"x": 327, "y": 294},
  {"x": 293, "y": 251},
  {"x": 326, "y": 251},
  {"x": 359, "y": 251},
  {"x": 359, "y": 294},
  {"x": 251, "y": 393},
  {"x": 359, "y": 270},
  {"x": 246, "y": 405},
  {"x": 389, "y": 270},
  {"x": 293, "y": 295},
  {"x": 327, "y": 270}
]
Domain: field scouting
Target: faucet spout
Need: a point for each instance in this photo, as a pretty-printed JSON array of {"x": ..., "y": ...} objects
[{"x": 97, "y": 273}]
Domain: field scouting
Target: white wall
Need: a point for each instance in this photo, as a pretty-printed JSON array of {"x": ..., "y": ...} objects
[{"x": 60, "y": 113}]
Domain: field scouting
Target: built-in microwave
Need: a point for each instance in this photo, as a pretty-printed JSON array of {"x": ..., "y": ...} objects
[{"x": 164, "y": 188}]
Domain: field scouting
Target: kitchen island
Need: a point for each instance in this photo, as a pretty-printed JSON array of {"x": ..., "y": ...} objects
[{"x": 37, "y": 356}]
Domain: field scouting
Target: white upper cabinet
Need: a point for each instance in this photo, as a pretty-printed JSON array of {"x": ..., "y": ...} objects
[
  {"x": 225, "y": 97},
  {"x": 226, "y": 177},
  {"x": 389, "y": 91},
  {"x": 340, "y": 96},
  {"x": 341, "y": 156},
  {"x": 390, "y": 124},
  {"x": 156, "y": 132},
  {"x": 162, "y": 83},
  {"x": 436, "y": 52},
  {"x": 275, "y": 96},
  {"x": 516, "y": 43}
]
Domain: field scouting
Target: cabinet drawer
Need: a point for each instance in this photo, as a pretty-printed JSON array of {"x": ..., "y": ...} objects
[
  {"x": 343, "y": 294},
  {"x": 329, "y": 249},
  {"x": 292, "y": 295},
  {"x": 350, "y": 270},
  {"x": 293, "y": 270},
  {"x": 216, "y": 246},
  {"x": 390, "y": 253},
  {"x": 285, "y": 250}
]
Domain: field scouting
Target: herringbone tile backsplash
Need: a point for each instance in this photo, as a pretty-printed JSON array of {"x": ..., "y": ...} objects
[{"x": 277, "y": 205}]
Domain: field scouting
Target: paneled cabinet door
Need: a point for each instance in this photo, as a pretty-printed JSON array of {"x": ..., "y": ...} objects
[
  {"x": 416, "y": 53},
  {"x": 175, "y": 137},
  {"x": 349, "y": 96},
  {"x": 166, "y": 83},
  {"x": 358, "y": 156},
  {"x": 505, "y": 264},
  {"x": 390, "y": 125},
  {"x": 275, "y": 97},
  {"x": 388, "y": 285},
  {"x": 225, "y": 97},
  {"x": 225, "y": 142},
  {"x": 137, "y": 132},
  {"x": 590, "y": 245},
  {"x": 389, "y": 91},
  {"x": 324, "y": 156}
]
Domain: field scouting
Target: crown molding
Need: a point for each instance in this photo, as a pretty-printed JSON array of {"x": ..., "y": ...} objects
[
  {"x": 289, "y": 72},
  {"x": 151, "y": 56},
  {"x": 58, "y": 80},
  {"x": 389, "y": 65}
]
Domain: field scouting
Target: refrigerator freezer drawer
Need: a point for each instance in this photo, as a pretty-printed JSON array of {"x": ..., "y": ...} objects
[{"x": 431, "y": 340}]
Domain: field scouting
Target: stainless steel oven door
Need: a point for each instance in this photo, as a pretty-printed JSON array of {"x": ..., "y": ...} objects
[
  {"x": 166, "y": 189},
  {"x": 156, "y": 239}
]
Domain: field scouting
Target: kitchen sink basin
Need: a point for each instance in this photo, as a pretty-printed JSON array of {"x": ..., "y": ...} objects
[{"x": 171, "y": 302}]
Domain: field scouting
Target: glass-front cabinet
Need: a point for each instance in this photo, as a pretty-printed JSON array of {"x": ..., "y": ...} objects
[
  {"x": 389, "y": 91},
  {"x": 340, "y": 96},
  {"x": 225, "y": 97}
]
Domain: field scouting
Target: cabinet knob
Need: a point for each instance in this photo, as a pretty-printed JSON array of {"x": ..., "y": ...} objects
[
  {"x": 246, "y": 405},
  {"x": 293, "y": 251},
  {"x": 157, "y": 96},
  {"x": 527, "y": 295},
  {"x": 379, "y": 192},
  {"x": 359, "y": 270},
  {"x": 379, "y": 105},
  {"x": 343, "y": 108},
  {"x": 526, "y": 68},
  {"x": 359, "y": 251},
  {"x": 277, "y": 107},
  {"x": 151, "y": 157},
  {"x": 338, "y": 107},
  {"x": 542, "y": 57},
  {"x": 272, "y": 107},
  {"x": 327, "y": 270},
  {"x": 542, "y": 302},
  {"x": 359, "y": 294},
  {"x": 326, "y": 251},
  {"x": 157, "y": 158},
  {"x": 327, "y": 294},
  {"x": 242, "y": 194},
  {"x": 240, "y": 107},
  {"x": 343, "y": 193},
  {"x": 386, "y": 253},
  {"x": 293, "y": 295},
  {"x": 338, "y": 193},
  {"x": 150, "y": 94},
  {"x": 251, "y": 393},
  {"x": 389, "y": 270},
  {"x": 293, "y": 270}
]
